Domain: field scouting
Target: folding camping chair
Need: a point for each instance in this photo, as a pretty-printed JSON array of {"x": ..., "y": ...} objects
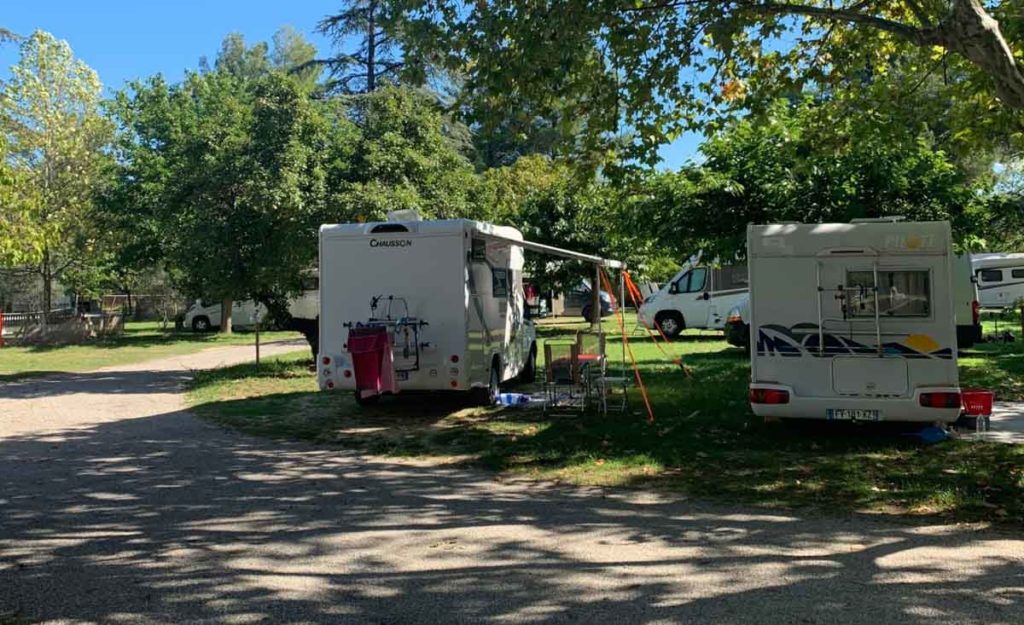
[
  {"x": 565, "y": 389},
  {"x": 607, "y": 392}
]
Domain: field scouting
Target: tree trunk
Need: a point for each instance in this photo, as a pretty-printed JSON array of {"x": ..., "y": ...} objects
[
  {"x": 371, "y": 49},
  {"x": 225, "y": 315},
  {"x": 47, "y": 288},
  {"x": 975, "y": 34}
]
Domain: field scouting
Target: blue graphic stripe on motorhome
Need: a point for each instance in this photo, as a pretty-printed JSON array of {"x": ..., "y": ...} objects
[{"x": 802, "y": 340}]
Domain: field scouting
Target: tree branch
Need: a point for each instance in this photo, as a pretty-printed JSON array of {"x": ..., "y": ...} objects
[{"x": 915, "y": 35}]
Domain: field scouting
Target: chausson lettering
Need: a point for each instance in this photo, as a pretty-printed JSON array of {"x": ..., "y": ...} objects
[{"x": 390, "y": 243}]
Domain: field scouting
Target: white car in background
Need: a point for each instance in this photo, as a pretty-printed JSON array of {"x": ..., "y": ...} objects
[{"x": 203, "y": 316}]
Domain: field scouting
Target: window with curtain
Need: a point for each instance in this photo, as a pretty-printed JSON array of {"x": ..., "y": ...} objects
[{"x": 900, "y": 293}]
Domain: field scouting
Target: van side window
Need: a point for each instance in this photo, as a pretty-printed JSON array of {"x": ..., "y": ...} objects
[
  {"x": 900, "y": 293},
  {"x": 991, "y": 275},
  {"x": 693, "y": 281},
  {"x": 1017, "y": 273}
]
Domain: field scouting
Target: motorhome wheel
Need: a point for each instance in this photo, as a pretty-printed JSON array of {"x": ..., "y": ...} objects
[
  {"x": 671, "y": 323},
  {"x": 529, "y": 372},
  {"x": 200, "y": 324},
  {"x": 368, "y": 400}
]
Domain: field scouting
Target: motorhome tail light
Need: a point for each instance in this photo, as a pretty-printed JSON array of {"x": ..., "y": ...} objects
[
  {"x": 944, "y": 399},
  {"x": 455, "y": 383},
  {"x": 768, "y": 396},
  {"x": 326, "y": 360},
  {"x": 330, "y": 383},
  {"x": 976, "y": 311},
  {"x": 455, "y": 358},
  {"x": 348, "y": 373}
]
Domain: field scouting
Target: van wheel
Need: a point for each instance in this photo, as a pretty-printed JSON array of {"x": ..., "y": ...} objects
[
  {"x": 587, "y": 313},
  {"x": 201, "y": 324},
  {"x": 529, "y": 372},
  {"x": 671, "y": 323}
]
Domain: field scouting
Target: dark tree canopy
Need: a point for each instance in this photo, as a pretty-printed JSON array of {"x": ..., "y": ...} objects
[
  {"x": 374, "y": 60},
  {"x": 653, "y": 68}
]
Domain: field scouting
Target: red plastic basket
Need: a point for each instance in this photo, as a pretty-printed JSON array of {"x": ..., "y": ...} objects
[{"x": 977, "y": 402}]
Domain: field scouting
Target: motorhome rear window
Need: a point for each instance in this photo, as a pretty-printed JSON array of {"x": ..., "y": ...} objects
[
  {"x": 900, "y": 293},
  {"x": 991, "y": 275},
  {"x": 1017, "y": 273}
]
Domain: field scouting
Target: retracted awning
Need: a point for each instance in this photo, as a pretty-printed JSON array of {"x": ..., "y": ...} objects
[{"x": 555, "y": 251}]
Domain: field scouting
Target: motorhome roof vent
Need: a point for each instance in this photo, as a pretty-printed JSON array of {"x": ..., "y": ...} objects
[
  {"x": 888, "y": 219},
  {"x": 404, "y": 215},
  {"x": 388, "y": 228}
]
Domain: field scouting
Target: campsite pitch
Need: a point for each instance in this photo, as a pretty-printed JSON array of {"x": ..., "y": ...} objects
[{"x": 704, "y": 440}]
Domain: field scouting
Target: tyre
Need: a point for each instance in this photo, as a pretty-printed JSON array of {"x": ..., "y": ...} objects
[
  {"x": 366, "y": 401},
  {"x": 587, "y": 313},
  {"x": 201, "y": 324},
  {"x": 529, "y": 372},
  {"x": 671, "y": 323},
  {"x": 489, "y": 396}
]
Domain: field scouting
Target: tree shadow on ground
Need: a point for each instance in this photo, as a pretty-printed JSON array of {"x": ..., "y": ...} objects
[{"x": 165, "y": 519}]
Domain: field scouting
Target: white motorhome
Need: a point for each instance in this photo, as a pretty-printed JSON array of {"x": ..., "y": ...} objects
[
  {"x": 699, "y": 296},
  {"x": 1000, "y": 279},
  {"x": 853, "y": 321},
  {"x": 448, "y": 293}
]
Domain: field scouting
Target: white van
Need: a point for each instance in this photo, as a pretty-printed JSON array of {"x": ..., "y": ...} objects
[
  {"x": 447, "y": 294},
  {"x": 1000, "y": 279},
  {"x": 699, "y": 296},
  {"x": 853, "y": 321},
  {"x": 203, "y": 316}
]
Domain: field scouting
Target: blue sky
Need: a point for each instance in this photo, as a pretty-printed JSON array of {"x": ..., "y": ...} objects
[{"x": 123, "y": 40}]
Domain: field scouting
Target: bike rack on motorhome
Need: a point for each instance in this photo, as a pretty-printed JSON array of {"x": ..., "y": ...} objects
[{"x": 853, "y": 321}]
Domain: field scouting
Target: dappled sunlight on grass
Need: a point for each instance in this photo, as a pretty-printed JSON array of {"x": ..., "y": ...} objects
[{"x": 704, "y": 440}]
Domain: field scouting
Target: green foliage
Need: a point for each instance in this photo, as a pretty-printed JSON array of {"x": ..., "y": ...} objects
[
  {"x": 654, "y": 69},
  {"x": 803, "y": 165},
  {"x": 224, "y": 175},
  {"x": 402, "y": 159},
  {"x": 55, "y": 158},
  {"x": 376, "y": 58}
]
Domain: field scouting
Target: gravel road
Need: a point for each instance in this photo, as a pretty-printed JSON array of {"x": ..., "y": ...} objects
[{"x": 117, "y": 506}]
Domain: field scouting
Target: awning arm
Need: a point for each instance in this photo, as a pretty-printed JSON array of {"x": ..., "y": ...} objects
[{"x": 555, "y": 251}]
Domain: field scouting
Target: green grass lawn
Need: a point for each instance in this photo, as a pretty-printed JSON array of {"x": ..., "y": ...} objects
[
  {"x": 704, "y": 440},
  {"x": 140, "y": 341}
]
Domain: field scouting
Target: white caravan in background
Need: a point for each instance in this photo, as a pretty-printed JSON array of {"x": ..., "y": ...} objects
[
  {"x": 699, "y": 296},
  {"x": 1000, "y": 279},
  {"x": 853, "y": 321},
  {"x": 448, "y": 295}
]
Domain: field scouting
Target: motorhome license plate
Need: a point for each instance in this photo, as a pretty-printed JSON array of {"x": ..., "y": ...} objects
[
  {"x": 402, "y": 376},
  {"x": 852, "y": 414}
]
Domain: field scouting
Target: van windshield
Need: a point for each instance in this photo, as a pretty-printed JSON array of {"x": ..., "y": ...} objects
[{"x": 692, "y": 281}]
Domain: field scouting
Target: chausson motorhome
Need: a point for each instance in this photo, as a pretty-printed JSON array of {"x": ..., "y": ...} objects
[
  {"x": 699, "y": 296},
  {"x": 853, "y": 321},
  {"x": 1000, "y": 279},
  {"x": 445, "y": 297}
]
